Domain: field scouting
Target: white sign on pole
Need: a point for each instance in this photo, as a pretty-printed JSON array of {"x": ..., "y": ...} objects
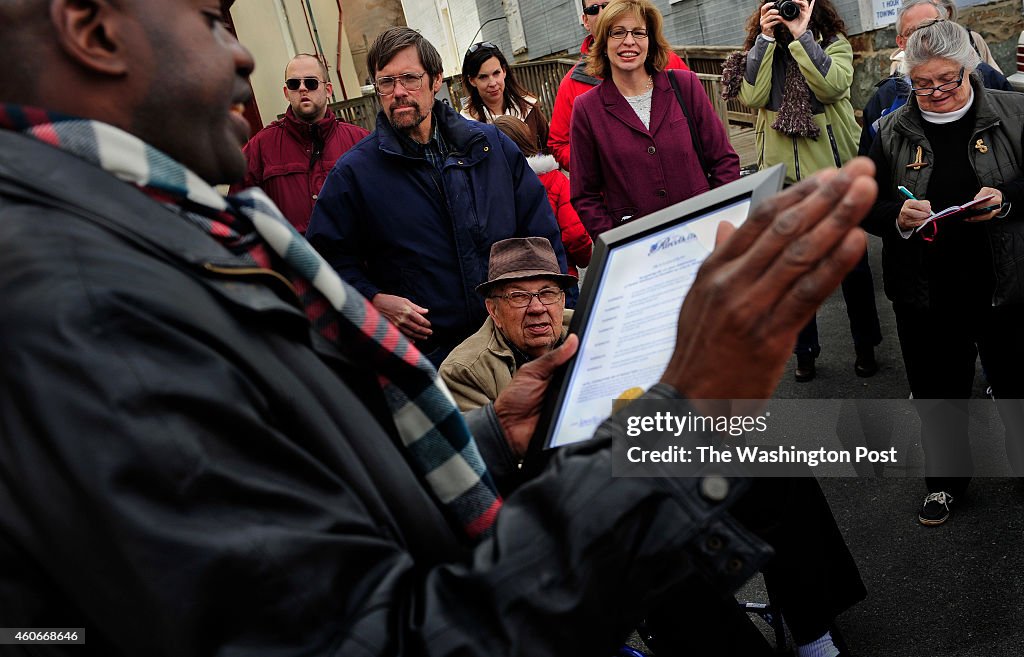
[{"x": 884, "y": 12}]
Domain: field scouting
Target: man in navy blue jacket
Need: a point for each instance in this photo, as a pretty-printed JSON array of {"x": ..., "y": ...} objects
[{"x": 408, "y": 217}]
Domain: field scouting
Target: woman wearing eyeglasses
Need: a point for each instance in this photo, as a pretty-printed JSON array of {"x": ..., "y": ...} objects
[
  {"x": 960, "y": 292},
  {"x": 641, "y": 140},
  {"x": 494, "y": 91}
]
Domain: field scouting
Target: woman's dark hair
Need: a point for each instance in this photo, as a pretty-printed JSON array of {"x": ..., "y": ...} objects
[
  {"x": 514, "y": 96},
  {"x": 825, "y": 25},
  {"x": 520, "y": 133}
]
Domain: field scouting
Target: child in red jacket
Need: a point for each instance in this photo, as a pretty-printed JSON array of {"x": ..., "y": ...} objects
[{"x": 577, "y": 243}]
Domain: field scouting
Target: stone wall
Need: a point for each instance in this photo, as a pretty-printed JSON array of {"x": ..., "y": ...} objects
[{"x": 999, "y": 22}]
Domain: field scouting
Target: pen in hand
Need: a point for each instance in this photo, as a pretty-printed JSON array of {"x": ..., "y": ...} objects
[{"x": 906, "y": 192}]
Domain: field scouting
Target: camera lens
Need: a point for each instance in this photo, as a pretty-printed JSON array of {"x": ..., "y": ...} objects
[{"x": 787, "y": 9}]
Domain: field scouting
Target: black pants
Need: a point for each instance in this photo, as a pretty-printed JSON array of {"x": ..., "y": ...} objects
[
  {"x": 812, "y": 578},
  {"x": 940, "y": 347},
  {"x": 859, "y": 295}
]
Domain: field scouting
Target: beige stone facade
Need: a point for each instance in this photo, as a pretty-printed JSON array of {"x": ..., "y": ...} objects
[{"x": 999, "y": 22}]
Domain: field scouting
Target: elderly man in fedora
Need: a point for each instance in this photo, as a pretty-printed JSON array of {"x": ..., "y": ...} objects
[{"x": 525, "y": 299}]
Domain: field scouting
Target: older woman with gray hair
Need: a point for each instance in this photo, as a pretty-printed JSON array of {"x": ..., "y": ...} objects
[{"x": 956, "y": 282}]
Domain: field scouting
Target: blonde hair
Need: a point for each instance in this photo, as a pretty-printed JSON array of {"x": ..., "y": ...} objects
[{"x": 644, "y": 12}]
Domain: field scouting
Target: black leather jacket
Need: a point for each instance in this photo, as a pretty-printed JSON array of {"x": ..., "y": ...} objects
[
  {"x": 186, "y": 469},
  {"x": 999, "y": 123}
]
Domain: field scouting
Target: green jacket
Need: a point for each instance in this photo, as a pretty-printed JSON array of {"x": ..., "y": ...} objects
[
  {"x": 829, "y": 74},
  {"x": 480, "y": 368}
]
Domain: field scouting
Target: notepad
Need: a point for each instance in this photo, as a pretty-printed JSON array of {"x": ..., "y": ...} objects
[{"x": 954, "y": 209}]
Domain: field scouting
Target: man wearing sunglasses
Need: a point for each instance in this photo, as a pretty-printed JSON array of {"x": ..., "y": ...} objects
[
  {"x": 577, "y": 82},
  {"x": 291, "y": 157}
]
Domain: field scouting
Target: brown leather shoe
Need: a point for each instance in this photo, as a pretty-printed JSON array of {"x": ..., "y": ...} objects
[{"x": 805, "y": 370}]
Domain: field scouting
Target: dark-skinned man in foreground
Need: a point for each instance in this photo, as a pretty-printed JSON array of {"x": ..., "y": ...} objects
[{"x": 203, "y": 450}]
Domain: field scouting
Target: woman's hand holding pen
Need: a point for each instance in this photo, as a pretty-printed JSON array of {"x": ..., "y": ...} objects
[{"x": 914, "y": 212}]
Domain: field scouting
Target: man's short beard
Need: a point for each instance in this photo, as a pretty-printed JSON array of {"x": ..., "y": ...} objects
[{"x": 406, "y": 129}]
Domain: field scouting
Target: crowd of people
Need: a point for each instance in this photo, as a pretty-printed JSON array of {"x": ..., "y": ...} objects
[{"x": 292, "y": 419}]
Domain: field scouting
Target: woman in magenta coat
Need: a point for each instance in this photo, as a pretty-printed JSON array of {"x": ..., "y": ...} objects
[{"x": 632, "y": 148}]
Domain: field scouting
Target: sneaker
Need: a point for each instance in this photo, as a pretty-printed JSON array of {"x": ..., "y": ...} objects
[
  {"x": 935, "y": 509},
  {"x": 805, "y": 370}
]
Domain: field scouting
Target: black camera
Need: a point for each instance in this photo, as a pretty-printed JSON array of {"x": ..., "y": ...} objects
[{"x": 788, "y": 9}]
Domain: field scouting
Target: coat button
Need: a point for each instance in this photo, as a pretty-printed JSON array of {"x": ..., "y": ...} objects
[
  {"x": 660, "y": 193},
  {"x": 651, "y": 150},
  {"x": 314, "y": 197},
  {"x": 714, "y": 488},
  {"x": 487, "y": 148}
]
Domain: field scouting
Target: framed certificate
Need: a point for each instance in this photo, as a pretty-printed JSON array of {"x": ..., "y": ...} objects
[{"x": 628, "y": 309}]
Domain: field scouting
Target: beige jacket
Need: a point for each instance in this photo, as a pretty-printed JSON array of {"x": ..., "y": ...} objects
[{"x": 480, "y": 368}]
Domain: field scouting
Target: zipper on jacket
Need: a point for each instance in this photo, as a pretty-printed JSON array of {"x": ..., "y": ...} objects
[
  {"x": 835, "y": 147},
  {"x": 796, "y": 159},
  {"x": 988, "y": 230},
  {"x": 251, "y": 271}
]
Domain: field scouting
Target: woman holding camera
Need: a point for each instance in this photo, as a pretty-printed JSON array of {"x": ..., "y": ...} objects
[{"x": 797, "y": 74}]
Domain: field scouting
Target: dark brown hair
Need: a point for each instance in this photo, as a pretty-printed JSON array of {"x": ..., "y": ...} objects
[
  {"x": 519, "y": 132},
  {"x": 390, "y": 41},
  {"x": 825, "y": 25},
  {"x": 514, "y": 95}
]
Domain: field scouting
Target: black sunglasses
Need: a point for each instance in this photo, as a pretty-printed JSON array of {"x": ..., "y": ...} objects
[
  {"x": 482, "y": 44},
  {"x": 293, "y": 84},
  {"x": 594, "y": 10}
]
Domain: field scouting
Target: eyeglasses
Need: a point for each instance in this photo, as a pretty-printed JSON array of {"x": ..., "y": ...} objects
[
  {"x": 522, "y": 298},
  {"x": 944, "y": 87},
  {"x": 594, "y": 10},
  {"x": 483, "y": 44},
  {"x": 619, "y": 33},
  {"x": 293, "y": 84},
  {"x": 411, "y": 81}
]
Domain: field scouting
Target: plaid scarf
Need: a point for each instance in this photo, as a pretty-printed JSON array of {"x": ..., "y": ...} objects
[{"x": 436, "y": 437}]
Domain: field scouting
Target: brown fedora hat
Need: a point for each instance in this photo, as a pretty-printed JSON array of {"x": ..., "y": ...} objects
[{"x": 523, "y": 257}]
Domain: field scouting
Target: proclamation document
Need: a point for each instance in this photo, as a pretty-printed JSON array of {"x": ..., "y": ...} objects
[{"x": 631, "y": 331}]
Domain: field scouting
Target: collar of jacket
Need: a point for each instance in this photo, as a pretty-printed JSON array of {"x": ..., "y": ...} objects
[
  {"x": 542, "y": 164},
  {"x": 585, "y": 46},
  {"x": 910, "y": 123},
  {"x": 300, "y": 129},
  {"x": 465, "y": 139},
  {"x": 39, "y": 174},
  {"x": 579, "y": 71},
  {"x": 617, "y": 105}
]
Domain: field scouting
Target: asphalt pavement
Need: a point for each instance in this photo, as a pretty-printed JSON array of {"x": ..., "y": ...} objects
[{"x": 956, "y": 590}]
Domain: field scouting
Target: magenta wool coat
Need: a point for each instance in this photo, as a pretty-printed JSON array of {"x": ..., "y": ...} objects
[{"x": 621, "y": 169}]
